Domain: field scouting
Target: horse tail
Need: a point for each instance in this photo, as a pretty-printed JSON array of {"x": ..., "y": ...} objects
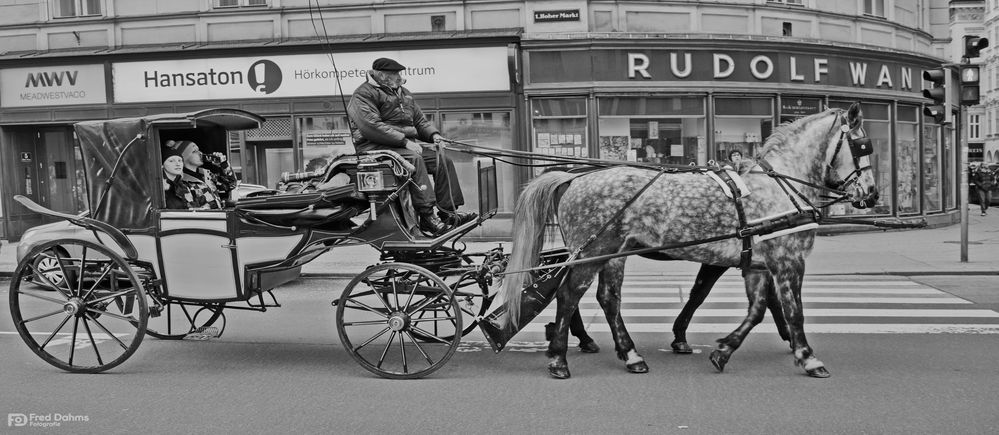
[{"x": 537, "y": 201}]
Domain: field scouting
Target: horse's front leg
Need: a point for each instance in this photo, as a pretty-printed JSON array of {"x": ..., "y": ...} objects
[
  {"x": 756, "y": 291},
  {"x": 576, "y": 283},
  {"x": 788, "y": 278},
  {"x": 707, "y": 276},
  {"x": 609, "y": 296}
]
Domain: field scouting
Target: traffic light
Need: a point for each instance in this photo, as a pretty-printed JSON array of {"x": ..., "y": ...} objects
[
  {"x": 969, "y": 85},
  {"x": 973, "y": 45},
  {"x": 939, "y": 93}
]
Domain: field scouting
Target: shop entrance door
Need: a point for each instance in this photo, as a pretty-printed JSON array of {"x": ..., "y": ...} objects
[{"x": 47, "y": 168}]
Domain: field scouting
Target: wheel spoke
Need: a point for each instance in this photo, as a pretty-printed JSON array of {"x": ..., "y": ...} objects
[
  {"x": 364, "y": 323},
  {"x": 402, "y": 350},
  {"x": 56, "y": 331},
  {"x": 93, "y": 342},
  {"x": 430, "y": 361},
  {"x": 365, "y": 307},
  {"x": 42, "y": 316},
  {"x": 97, "y": 281},
  {"x": 79, "y": 283},
  {"x": 427, "y": 334},
  {"x": 379, "y": 295},
  {"x": 42, "y": 296},
  {"x": 100, "y": 325},
  {"x": 373, "y": 338},
  {"x": 110, "y": 296},
  {"x": 388, "y": 344},
  {"x": 130, "y": 320},
  {"x": 72, "y": 341}
]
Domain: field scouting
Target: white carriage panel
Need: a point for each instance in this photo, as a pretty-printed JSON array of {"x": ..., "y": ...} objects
[
  {"x": 250, "y": 250},
  {"x": 201, "y": 220},
  {"x": 198, "y": 266}
]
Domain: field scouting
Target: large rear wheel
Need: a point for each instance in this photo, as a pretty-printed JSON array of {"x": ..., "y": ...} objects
[
  {"x": 89, "y": 324},
  {"x": 399, "y": 321}
]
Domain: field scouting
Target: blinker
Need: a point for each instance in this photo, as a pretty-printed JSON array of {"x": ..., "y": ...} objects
[{"x": 860, "y": 147}]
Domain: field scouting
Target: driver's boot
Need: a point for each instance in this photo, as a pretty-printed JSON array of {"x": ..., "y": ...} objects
[{"x": 430, "y": 224}]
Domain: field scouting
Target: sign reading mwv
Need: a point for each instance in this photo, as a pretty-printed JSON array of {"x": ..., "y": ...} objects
[{"x": 52, "y": 78}]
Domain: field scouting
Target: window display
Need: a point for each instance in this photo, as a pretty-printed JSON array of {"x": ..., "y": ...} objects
[
  {"x": 491, "y": 129},
  {"x": 741, "y": 124},
  {"x": 907, "y": 160},
  {"x": 558, "y": 126},
  {"x": 932, "y": 194},
  {"x": 662, "y": 130}
]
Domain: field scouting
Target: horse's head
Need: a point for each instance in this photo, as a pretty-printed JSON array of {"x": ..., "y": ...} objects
[{"x": 848, "y": 153}]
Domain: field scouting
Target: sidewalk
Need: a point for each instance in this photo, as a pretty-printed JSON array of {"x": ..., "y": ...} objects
[{"x": 900, "y": 252}]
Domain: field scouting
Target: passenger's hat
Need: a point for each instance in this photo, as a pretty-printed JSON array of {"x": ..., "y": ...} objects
[
  {"x": 182, "y": 148},
  {"x": 386, "y": 64}
]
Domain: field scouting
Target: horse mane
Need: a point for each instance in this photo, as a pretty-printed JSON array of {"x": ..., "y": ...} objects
[{"x": 787, "y": 130}]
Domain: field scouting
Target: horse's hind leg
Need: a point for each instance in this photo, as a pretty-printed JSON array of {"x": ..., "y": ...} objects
[
  {"x": 773, "y": 304},
  {"x": 756, "y": 291},
  {"x": 609, "y": 296},
  {"x": 707, "y": 276},
  {"x": 578, "y": 280}
]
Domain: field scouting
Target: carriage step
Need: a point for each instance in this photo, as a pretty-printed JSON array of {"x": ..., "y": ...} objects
[{"x": 203, "y": 333}]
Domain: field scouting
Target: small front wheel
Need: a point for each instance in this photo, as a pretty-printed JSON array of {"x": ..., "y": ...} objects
[
  {"x": 399, "y": 321},
  {"x": 88, "y": 324}
]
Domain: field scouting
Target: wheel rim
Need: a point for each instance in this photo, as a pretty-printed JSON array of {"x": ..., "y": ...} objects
[
  {"x": 48, "y": 266},
  {"x": 399, "y": 321},
  {"x": 87, "y": 325}
]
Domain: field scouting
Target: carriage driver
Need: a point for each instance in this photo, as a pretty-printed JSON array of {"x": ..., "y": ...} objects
[
  {"x": 388, "y": 118},
  {"x": 209, "y": 185}
]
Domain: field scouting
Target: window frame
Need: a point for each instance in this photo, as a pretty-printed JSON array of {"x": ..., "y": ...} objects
[
  {"x": 78, "y": 8},
  {"x": 871, "y": 6},
  {"x": 217, "y": 4}
]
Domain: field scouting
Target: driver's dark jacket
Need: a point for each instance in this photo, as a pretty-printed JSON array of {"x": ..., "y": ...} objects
[{"x": 385, "y": 118}]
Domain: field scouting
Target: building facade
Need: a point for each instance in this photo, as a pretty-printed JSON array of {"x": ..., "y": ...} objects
[{"x": 665, "y": 82}]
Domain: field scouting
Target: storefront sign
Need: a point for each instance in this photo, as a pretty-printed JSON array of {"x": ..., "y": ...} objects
[
  {"x": 694, "y": 65},
  {"x": 443, "y": 70},
  {"x": 25, "y": 157},
  {"x": 976, "y": 151},
  {"x": 558, "y": 15},
  {"x": 52, "y": 85},
  {"x": 799, "y": 106}
]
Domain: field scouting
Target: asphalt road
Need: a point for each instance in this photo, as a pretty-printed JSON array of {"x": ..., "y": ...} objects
[{"x": 284, "y": 371}]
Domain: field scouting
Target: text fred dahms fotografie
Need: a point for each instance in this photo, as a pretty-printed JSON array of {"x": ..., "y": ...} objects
[{"x": 16, "y": 419}]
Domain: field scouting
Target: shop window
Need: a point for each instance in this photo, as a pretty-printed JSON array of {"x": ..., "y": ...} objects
[
  {"x": 662, "y": 130},
  {"x": 949, "y": 163},
  {"x": 490, "y": 129},
  {"x": 874, "y": 8},
  {"x": 77, "y": 8},
  {"x": 321, "y": 139},
  {"x": 932, "y": 181},
  {"x": 907, "y": 163},
  {"x": 558, "y": 126},
  {"x": 877, "y": 125},
  {"x": 741, "y": 124}
]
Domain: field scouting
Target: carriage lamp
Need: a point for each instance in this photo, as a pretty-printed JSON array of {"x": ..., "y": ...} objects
[{"x": 370, "y": 181}]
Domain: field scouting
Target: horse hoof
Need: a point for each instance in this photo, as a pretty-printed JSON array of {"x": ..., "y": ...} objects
[
  {"x": 639, "y": 367},
  {"x": 589, "y": 347},
  {"x": 681, "y": 347},
  {"x": 719, "y": 359},
  {"x": 819, "y": 372},
  {"x": 558, "y": 371}
]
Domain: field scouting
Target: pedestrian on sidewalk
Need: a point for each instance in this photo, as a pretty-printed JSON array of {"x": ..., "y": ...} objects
[{"x": 984, "y": 179}]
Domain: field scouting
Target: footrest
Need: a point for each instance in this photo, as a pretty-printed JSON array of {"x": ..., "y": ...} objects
[{"x": 203, "y": 333}]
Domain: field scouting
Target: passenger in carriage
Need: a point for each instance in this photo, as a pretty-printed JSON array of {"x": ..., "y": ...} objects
[
  {"x": 388, "y": 118},
  {"x": 209, "y": 183},
  {"x": 178, "y": 197}
]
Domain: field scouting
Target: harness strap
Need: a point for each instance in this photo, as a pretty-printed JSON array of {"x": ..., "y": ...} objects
[{"x": 746, "y": 257}]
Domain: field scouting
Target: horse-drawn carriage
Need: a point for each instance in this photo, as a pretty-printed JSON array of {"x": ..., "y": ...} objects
[
  {"x": 85, "y": 294},
  {"x": 86, "y": 291}
]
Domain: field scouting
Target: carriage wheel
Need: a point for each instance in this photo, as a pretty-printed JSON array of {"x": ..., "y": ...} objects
[
  {"x": 177, "y": 319},
  {"x": 88, "y": 325},
  {"x": 383, "y": 310},
  {"x": 472, "y": 300}
]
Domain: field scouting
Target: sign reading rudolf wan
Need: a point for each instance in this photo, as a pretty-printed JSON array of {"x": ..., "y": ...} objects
[{"x": 443, "y": 70}]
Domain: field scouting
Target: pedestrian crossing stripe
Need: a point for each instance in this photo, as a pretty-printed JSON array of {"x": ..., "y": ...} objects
[{"x": 650, "y": 303}]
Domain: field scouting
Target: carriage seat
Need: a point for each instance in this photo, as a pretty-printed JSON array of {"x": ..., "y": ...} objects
[{"x": 332, "y": 196}]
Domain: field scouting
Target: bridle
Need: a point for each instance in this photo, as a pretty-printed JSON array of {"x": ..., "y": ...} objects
[{"x": 859, "y": 147}]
